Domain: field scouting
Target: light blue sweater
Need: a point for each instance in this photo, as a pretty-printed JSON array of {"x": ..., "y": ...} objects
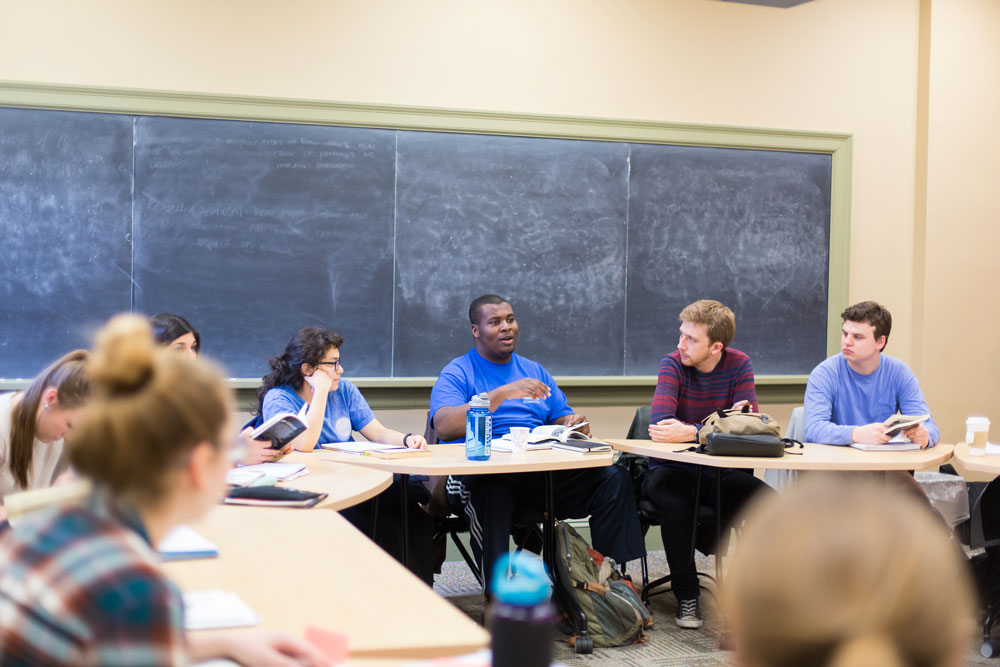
[{"x": 838, "y": 398}]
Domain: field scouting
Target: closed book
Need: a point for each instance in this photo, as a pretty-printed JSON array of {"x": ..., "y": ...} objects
[
  {"x": 272, "y": 496},
  {"x": 582, "y": 446}
]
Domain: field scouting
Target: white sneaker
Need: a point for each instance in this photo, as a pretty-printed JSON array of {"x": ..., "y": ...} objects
[{"x": 688, "y": 614}]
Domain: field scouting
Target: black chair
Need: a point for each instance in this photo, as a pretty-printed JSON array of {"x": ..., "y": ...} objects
[
  {"x": 450, "y": 521},
  {"x": 638, "y": 466},
  {"x": 982, "y": 531}
]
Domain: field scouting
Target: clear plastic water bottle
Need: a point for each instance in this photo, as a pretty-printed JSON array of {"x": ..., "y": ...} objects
[
  {"x": 521, "y": 618},
  {"x": 478, "y": 429}
]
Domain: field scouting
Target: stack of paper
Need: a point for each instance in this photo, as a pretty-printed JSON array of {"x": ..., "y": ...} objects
[
  {"x": 183, "y": 543},
  {"x": 205, "y": 610}
]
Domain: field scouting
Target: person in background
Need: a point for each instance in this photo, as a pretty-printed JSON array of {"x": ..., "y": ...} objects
[
  {"x": 523, "y": 393},
  {"x": 176, "y": 334},
  {"x": 81, "y": 582},
  {"x": 839, "y": 573},
  {"x": 34, "y": 422},
  {"x": 309, "y": 372},
  {"x": 702, "y": 375},
  {"x": 850, "y": 394}
]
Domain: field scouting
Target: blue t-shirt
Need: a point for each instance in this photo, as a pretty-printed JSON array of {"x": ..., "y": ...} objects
[
  {"x": 346, "y": 410},
  {"x": 838, "y": 398},
  {"x": 470, "y": 374}
]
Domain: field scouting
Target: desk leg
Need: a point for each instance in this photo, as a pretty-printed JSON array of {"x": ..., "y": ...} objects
[
  {"x": 548, "y": 525},
  {"x": 374, "y": 532},
  {"x": 718, "y": 524},
  {"x": 404, "y": 494},
  {"x": 697, "y": 504},
  {"x": 562, "y": 591}
]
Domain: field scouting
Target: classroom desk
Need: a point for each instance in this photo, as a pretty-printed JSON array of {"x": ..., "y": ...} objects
[
  {"x": 989, "y": 463},
  {"x": 813, "y": 457},
  {"x": 345, "y": 485},
  {"x": 450, "y": 460},
  {"x": 300, "y": 568}
]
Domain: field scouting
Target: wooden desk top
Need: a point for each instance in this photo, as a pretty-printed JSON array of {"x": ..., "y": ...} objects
[
  {"x": 814, "y": 457},
  {"x": 450, "y": 460},
  {"x": 346, "y": 485},
  {"x": 298, "y": 568},
  {"x": 989, "y": 463}
]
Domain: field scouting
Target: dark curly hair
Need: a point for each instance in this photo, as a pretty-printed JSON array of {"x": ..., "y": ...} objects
[{"x": 307, "y": 346}]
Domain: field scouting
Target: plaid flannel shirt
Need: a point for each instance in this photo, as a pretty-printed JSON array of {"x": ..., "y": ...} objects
[{"x": 82, "y": 586}]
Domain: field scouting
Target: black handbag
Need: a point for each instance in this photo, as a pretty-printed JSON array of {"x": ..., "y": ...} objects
[{"x": 764, "y": 446}]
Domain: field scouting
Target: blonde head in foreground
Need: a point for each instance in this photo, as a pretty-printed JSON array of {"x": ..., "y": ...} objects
[{"x": 846, "y": 574}]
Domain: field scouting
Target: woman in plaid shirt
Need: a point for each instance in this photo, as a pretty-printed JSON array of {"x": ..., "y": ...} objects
[{"x": 81, "y": 585}]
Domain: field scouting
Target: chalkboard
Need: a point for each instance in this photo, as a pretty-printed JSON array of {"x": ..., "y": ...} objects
[
  {"x": 253, "y": 230},
  {"x": 65, "y": 221}
]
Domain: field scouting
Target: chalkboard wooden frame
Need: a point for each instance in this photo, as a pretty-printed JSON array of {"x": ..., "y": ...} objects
[{"x": 266, "y": 109}]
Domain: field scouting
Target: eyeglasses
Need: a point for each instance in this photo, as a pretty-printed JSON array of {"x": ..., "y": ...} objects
[{"x": 337, "y": 366}]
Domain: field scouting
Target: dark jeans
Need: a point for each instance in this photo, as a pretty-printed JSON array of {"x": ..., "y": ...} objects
[
  {"x": 605, "y": 494},
  {"x": 389, "y": 528},
  {"x": 671, "y": 489}
]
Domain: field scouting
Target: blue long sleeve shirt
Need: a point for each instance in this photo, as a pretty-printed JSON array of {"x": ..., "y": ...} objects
[{"x": 839, "y": 398}]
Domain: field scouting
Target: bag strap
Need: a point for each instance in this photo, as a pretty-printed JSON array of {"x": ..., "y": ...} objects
[{"x": 790, "y": 443}]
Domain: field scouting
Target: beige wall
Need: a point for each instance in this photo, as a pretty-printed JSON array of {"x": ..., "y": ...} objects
[
  {"x": 961, "y": 346},
  {"x": 838, "y": 65}
]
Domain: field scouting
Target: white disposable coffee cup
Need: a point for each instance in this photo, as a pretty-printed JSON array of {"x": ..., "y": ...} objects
[
  {"x": 977, "y": 431},
  {"x": 519, "y": 439}
]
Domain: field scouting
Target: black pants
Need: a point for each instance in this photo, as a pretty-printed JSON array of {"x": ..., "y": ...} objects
[
  {"x": 389, "y": 526},
  {"x": 671, "y": 489},
  {"x": 605, "y": 494}
]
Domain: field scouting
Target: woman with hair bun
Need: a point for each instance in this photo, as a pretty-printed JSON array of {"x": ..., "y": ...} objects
[
  {"x": 81, "y": 583},
  {"x": 843, "y": 573},
  {"x": 33, "y": 424},
  {"x": 309, "y": 372}
]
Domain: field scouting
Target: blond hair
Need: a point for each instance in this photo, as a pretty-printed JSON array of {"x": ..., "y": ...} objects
[
  {"x": 843, "y": 573},
  {"x": 68, "y": 377},
  {"x": 150, "y": 408},
  {"x": 719, "y": 320}
]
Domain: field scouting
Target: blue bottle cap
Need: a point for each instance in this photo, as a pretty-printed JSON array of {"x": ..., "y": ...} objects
[{"x": 530, "y": 584}]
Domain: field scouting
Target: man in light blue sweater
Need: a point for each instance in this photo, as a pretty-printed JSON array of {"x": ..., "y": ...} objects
[{"x": 850, "y": 394}]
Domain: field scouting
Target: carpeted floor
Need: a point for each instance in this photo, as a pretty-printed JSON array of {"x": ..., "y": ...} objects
[{"x": 667, "y": 644}]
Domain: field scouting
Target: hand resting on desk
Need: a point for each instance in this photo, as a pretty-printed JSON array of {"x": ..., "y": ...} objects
[{"x": 672, "y": 430}]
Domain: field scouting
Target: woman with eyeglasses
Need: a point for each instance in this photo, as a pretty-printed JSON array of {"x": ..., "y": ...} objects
[
  {"x": 309, "y": 372},
  {"x": 81, "y": 582}
]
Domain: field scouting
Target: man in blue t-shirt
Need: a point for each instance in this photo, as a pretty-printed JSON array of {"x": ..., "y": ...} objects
[
  {"x": 850, "y": 394},
  {"x": 523, "y": 393}
]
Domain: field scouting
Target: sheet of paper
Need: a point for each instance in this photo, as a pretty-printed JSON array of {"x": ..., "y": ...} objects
[
  {"x": 359, "y": 447},
  {"x": 279, "y": 471}
]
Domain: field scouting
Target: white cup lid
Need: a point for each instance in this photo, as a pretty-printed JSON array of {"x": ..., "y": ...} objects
[{"x": 980, "y": 422}]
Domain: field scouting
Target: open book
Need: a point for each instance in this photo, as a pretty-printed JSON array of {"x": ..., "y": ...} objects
[
  {"x": 896, "y": 424},
  {"x": 282, "y": 428},
  {"x": 542, "y": 437}
]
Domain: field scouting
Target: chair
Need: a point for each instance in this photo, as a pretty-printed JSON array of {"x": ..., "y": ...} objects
[
  {"x": 638, "y": 466},
  {"x": 450, "y": 521},
  {"x": 982, "y": 531},
  {"x": 781, "y": 480}
]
